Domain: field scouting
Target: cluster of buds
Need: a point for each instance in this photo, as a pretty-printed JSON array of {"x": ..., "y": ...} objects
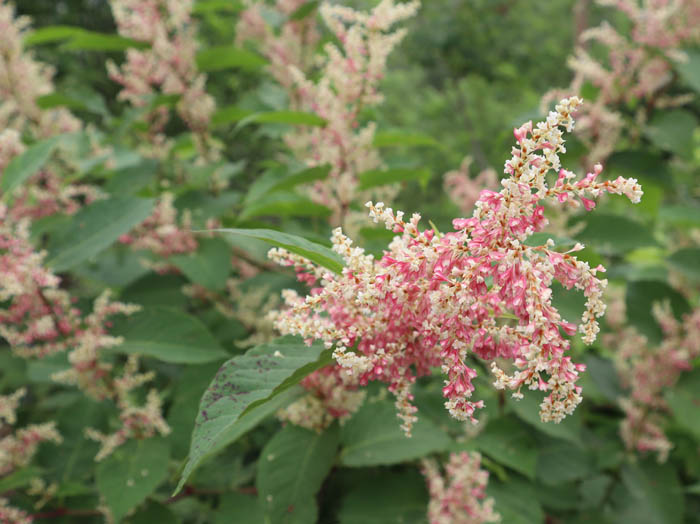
[
  {"x": 292, "y": 44},
  {"x": 638, "y": 67},
  {"x": 647, "y": 371},
  {"x": 23, "y": 80},
  {"x": 464, "y": 190},
  {"x": 167, "y": 65},
  {"x": 348, "y": 82},
  {"x": 162, "y": 233},
  {"x": 13, "y": 515},
  {"x": 459, "y": 497},
  {"x": 434, "y": 298}
]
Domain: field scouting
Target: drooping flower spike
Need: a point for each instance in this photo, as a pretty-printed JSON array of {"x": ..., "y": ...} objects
[{"x": 434, "y": 299}]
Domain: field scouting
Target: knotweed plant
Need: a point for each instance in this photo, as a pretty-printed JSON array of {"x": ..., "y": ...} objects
[{"x": 435, "y": 299}]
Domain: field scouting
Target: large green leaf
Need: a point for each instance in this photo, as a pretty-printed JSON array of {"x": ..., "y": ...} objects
[
  {"x": 317, "y": 253},
  {"x": 528, "y": 409},
  {"x": 684, "y": 400},
  {"x": 284, "y": 117},
  {"x": 515, "y": 501},
  {"x": 304, "y": 10},
  {"x": 228, "y": 57},
  {"x": 673, "y": 131},
  {"x": 650, "y": 493},
  {"x": 561, "y": 461},
  {"x": 209, "y": 266},
  {"x": 168, "y": 335},
  {"x": 510, "y": 442},
  {"x": 282, "y": 205},
  {"x": 690, "y": 69},
  {"x": 291, "y": 469},
  {"x": 239, "y": 509},
  {"x": 94, "y": 228},
  {"x": 687, "y": 262},
  {"x": 305, "y": 176},
  {"x": 25, "y": 165},
  {"x": 373, "y": 437},
  {"x": 132, "y": 473},
  {"x": 386, "y": 497},
  {"x": 614, "y": 234},
  {"x": 244, "y": 382},
  {"x": 80, "y": 39}
]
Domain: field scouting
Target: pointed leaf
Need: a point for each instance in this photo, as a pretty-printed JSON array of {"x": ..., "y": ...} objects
[{"x": 25, "y": 165}]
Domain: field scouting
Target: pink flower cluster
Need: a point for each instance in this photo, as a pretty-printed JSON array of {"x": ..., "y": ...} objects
[
  {"x": 291, "y": 45},
  {"x": 459, "y": 497},
  {"x": 647, "y": 371},
  {"x": 463, "y": 190},
  {"x": 349, "y": 81},
  {"x": 168, "y": 65},
  {"x": 433, "y": 299},
  {"x": 637, "y": 68},
  {"x": 40, "y": 320}
]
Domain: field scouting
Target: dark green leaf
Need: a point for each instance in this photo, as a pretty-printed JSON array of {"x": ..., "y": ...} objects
[
  {"x": 168, "y": 335},
  {"x": 690, "y": 69},
  {"x": 209, "y": 266},
  {"x": 515, "y": 501},
  {"x": 640, "y": 298},
  {"x": 132, "y": 473},
  {"x": 561, "y": 461},
  {"x": 673, "y": 131},
  {"x": 402, "y": 138},
  {"x": 304, "y": 10},
  {"x": 528, "y": 409},
  {"x": 687, "y": 262},
  {"x": 229, "y": 114},
  {"x": 317, "y": 253},
  {"x": 53, "y": 33},
  {"x": 284, "y": 117},
  {"x": 243, "y": 383},
  {"x": 239, "y": 509},
  {"x": 305, "y": 176},
  {"x": 684, "y": 400},
  {"x": 614, "y": 234},
  {"x": 509, "y": 442},
  {"x": 94, "y": 228},
  {"x": 25, "y": 165},
  {"x": 91, "y": 41},
  {"x": 283, "y": 205},
  {"x": 373, "y": 437},
  {"x": 291, "y": 469}
]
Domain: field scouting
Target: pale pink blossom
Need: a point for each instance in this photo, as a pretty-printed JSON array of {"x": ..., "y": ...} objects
[
  {"x": 458, "y": 497},
  {"x": 12, "y": 515},
  {"x": 464, "y": 190},
  {"x": 434, "y": 299}
]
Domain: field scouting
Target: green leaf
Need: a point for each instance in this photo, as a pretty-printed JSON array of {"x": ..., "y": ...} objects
[
  {"x": 386, "y": 497},
  {"x": 561, "y": 461},
  {"x": 208, "y": 6},
  {"x": 53, "y": 33},
  {"x": 92, "y": 41},
  {"x": 640, "y": 298},
  {"x": 304, "y": 10},
  {"x": 291, "y": 469},
  {"x": 684, "y": 400},
  {"x": 373, "y": 437},
  {"x": 209, "y": 266},
  {"x": 673, "y": 131},
  {"x": 284, "y": 205},
  {"x": 25, "y": 165},
  {"x": 614, "y": 234},
  {"x": 403, "y": 138},
  {"x": 168, "y": 335},
  {"x": 379, "y": 177},
  {"x": 220, "y": 58},
  {"x": 238, "y": 508},
  {"x": 19, "y": 478},
  {"x": 650, "y": 493},
  {"x": 229, "y": 114},
  {"x": 687, "y": 262},
  {"x": 679, "y": 215},
  {"x": 94, "y": 228},
  {"x": 305, "y": 176},
  {"x": 59, "y": 100},
  {"x": 515, "y": 501},
  {"x": 132, "y": 473},
  {"x": 509, "y": 442},
  {"x": 284, "y": 117},
  {"x": 528, "y": 409},
  {"x": 242, "y": 384},
  {"x": 317, "y": 253},
  {"x": 131, "y": 179},
  {"x": 689, "y": 69}
]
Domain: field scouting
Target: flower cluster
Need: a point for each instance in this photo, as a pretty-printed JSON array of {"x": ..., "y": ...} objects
[
  {"x": 331, "y": 395},
  {"x": 647, "y": 371},
  {"x": 435, "y": 298},
  {"x": 637, "y": 68},
  {"x": 13, "y": 515},
  {"x": 23, "y": 80},
  {"x": 459, "y": 497},
  {"x": 292, "y": 45},
  {"x": 463, "y": 190},
  {"x": 41, "y": 320},
  {"x": 167, "y": 65},
  {"x": 349, "y": 80}
]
